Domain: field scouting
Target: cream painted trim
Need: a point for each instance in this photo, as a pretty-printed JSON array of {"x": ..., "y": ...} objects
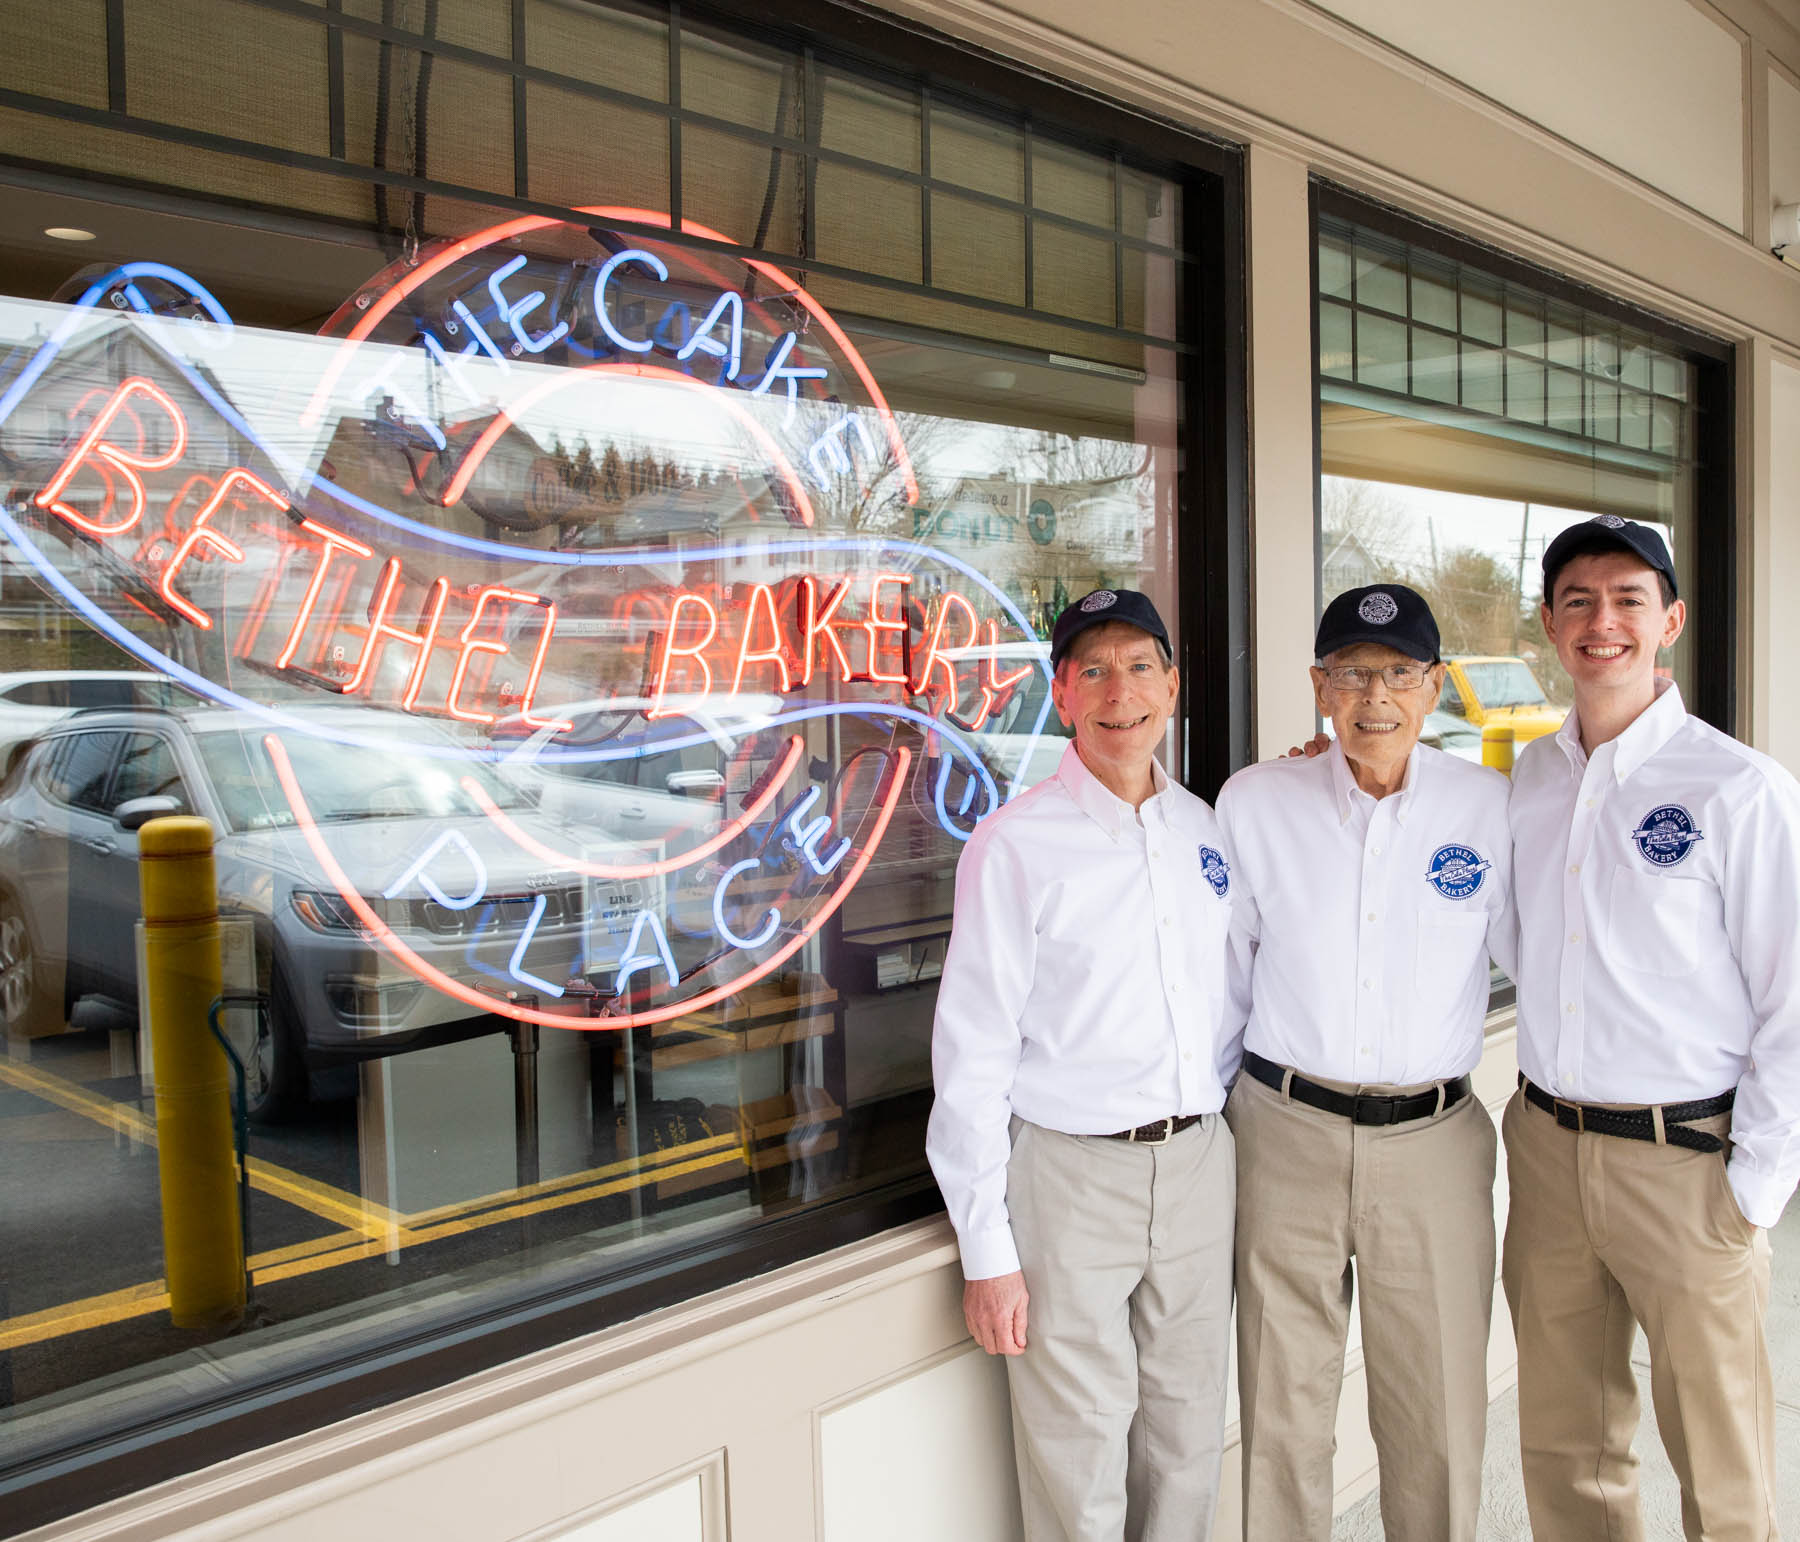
[
  {"x": 1756, "y": 503},
  {"x": 715, "y": 1525},
  {"x": 1067, "y": 57},
  {"x": 357, "y": 1453},
  {"x": 1758, "y": 206}
]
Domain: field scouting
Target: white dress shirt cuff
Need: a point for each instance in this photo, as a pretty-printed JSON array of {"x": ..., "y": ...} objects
[
  {"x": 1760, "y": 1197},
  {"x": 988, "y": 1254}
]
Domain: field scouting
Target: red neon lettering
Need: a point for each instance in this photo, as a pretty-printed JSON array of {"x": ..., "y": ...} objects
[
  {"x": 878, "y": 623},
  {"x": 107, "y": 456},
  {"x": 934, "y": 657},
  {"x": 471, "y": 645},
  {"x": 999, "y": 686},
  {"x": 815, "y": 623},
  {"x": 200, "y": 532},
  {"x": 695, "y": 651},
  {"x": 761, "y": 599},
  {"x": 334, "y": 543},
  {"x": 382, "y": 631}
]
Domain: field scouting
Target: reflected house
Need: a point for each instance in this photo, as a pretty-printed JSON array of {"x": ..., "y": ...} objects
[{"x": 1346, "y": 564}]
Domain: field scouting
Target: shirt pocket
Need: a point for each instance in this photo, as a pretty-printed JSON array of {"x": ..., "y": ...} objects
[
  {"x": 1450, "y": 942},
  {"x": 1653, "y": 923}
]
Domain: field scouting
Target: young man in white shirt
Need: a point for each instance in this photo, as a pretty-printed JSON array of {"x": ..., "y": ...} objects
[
  {"x": 1371, "y": 885},
  {"x": 1653, "y": 1136},
  {"x": 1080, "y": 1066}
]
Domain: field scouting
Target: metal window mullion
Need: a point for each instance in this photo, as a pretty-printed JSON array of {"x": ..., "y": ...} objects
[
  {"x": 925, "y": 186},
  {"x": 115, "y": 55},
  {"x": 334, "y": 79},
  {"x": 1026, "y": 143},
  {"x": 521, "y": 129},
  {"x": 675, "y": 118},
  {"x": 1118, "y": 251}
]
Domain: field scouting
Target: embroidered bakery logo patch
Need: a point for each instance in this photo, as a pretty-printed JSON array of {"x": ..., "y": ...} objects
[
  {"x": 1217, "y": 870},
  {"x": 1611, "y": 521},
  {"x": 1100, "y": 599},
  {"x": 1666, "y": 835},
  {"x": 1456, "y": 872},
  {"x": 1378, "y": 608}
]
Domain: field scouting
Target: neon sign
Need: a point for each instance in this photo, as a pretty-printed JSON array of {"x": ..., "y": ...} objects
[{"x": 268, "y": 565}]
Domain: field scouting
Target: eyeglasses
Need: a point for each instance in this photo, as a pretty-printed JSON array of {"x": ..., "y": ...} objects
[{"x": 1356, "y": 677}]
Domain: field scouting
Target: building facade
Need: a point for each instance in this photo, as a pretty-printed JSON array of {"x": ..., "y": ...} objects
[{"x": 575, "y": 495}]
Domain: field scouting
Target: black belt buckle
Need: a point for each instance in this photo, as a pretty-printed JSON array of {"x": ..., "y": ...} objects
[
  {"x": 1371, "y": 1108},
  {"x": 1576, "y": 1118}
]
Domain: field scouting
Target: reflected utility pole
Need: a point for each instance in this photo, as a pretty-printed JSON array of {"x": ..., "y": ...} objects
[{"x": 1519, "y": 583}]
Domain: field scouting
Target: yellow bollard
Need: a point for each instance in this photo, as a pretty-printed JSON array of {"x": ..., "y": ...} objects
[
  {"x": 1497, "y": 747},
  {"x": 203, "y": 1245}
]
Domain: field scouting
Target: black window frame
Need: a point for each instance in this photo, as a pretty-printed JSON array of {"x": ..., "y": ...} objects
[
  {"x": 1213, "y": 588},
  {"x": 1712, "y": 588}
]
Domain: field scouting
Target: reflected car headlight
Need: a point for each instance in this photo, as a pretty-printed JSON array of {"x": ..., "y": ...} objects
[{"x": 326, "y": 911}]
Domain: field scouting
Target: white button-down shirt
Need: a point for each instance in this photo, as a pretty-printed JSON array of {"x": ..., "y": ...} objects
[
  {"x": 1084, "y": 988},
  {"x": 1368, "y": 922},
  {"x": 1659, "y": 897}
]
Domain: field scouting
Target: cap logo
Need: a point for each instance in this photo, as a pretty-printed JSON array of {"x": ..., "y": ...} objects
[
  {"x": 1217, "y": 870},
  {"x": 1666, "y": 835},
  {"x": 1378, "y": 608},
  {"x": 1100, "y": 599},
  {"x": 1456, "y": 872},
  {"x": 1611, "y": 521}
]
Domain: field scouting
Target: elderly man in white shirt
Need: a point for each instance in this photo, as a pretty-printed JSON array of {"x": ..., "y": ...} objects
[
  {"x": 1080, "y": 1065},
  {"x": 1370, "y": 886},
  {"x": 1654, "y": 1133}
]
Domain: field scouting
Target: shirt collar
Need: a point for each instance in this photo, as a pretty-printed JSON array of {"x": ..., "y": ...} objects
[
  {"x": 1648, "y": 733},
  {"x": 1111, "y": 812},
  {"x": 1346, "y": 792}
]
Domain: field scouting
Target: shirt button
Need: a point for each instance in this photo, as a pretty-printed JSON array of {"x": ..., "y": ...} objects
[
  {"x": 1368, "y": 985},
  {"x": 1165, "y": 920},
  {"x": 1574, "y": 867},
  {"x": 1174, "y": 985},
  {"x": 1587, "y": 803},
  {"x": 1570, "y": 1007},
  {"x": 1375, "y": 851},
  {"x": 1574, "y": 936},
  {"x": 1371, "y": 915},
  {"x": 1365, "y": 1054},
  {"x": 1187, "y": 1054}
]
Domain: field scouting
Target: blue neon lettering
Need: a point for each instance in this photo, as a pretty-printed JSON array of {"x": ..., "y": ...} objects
[
  {"x": 649, "y": 260},
  {"x": 403, "y": 399},
  {"x": 514, "y": 312},
  {"x": 479, "y": 333},
  {"x": 514, "y": 964},
  {"x": 776, "y": 368},
  {"x": 452, "y": 363},
  {"x": 630, "y": 961},
  {"x": 807, "y": 837},
  {"x": 771, "y": 923},
  {"x": 732, "y": 352},
  {"x": 431, "y": 886},
  {"x": 828, "y": 449}
]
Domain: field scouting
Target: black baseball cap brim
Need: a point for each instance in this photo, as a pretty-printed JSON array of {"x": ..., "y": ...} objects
[
  {"x": 1097, "y": 609},
  {"x": 1607, "y": 532}
]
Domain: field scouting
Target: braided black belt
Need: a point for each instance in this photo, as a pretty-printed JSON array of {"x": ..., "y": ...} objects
[
  {"x": 1360, "y": 1107},
  {"x": 1635, "y": 1123},
  {"x": 1158, "y": 1132}
]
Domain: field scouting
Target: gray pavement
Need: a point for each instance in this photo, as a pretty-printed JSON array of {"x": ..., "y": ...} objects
[{"x": 1503, "y": 1497}]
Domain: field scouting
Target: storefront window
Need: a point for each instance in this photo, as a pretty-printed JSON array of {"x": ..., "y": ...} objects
[
  {"x": 1468, "y": 414},
  {"x": 591, "y": 634}
]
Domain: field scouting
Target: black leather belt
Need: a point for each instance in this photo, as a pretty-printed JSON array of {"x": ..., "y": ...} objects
[
  {"x": 1636, "y": 1123},
  {"x": 1159, "y": 1132},
  {"x": 1357, "y": 1107}
]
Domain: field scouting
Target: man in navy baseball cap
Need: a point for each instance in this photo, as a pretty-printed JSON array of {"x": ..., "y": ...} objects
[
  {"x": 1098, "y": 609},
  {"x": 1608, "y": 532},
  {"x": 1388, "y": 615}
]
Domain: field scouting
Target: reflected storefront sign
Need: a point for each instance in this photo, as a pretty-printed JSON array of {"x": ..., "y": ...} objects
[{"x": 580, "y": 495}]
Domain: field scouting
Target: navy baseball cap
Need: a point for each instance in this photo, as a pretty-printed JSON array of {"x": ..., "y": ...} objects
[
  {"x": 1607, "y": 532},
  {"x": 1390, "y": 614},
  {"x": 1101, "y": 606}
]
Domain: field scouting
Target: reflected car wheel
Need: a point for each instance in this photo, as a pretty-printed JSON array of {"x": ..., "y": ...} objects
[
  {"x": 24, "y": 1002},
  {"x": 276, "y": 1089}
]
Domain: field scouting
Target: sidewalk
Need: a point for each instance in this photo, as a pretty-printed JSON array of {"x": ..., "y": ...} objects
[{"x": 1503, "y": 1496}]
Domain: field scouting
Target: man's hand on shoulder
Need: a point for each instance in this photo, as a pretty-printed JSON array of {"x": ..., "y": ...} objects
[
  {"x": 995, "y": 1312},
  {"x": 1314, "y": 747}
]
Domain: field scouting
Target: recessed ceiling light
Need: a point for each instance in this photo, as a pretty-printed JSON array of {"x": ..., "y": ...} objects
[{"x": 68, "y": 233}]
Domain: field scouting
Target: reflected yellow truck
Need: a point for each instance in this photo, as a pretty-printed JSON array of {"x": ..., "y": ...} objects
[{"x": 1493, "y": 703}]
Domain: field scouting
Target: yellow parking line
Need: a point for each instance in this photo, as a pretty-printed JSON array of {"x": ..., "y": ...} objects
[
  {"x": 322, "y": 1199},
  {"x": 350, "y": 1246}
]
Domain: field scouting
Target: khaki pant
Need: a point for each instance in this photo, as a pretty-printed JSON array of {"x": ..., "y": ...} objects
[
  {"x": 1606, "y": 1234},
  {"x": 1119, "y": 1398},
  {"x": 1414, "y": 1205}
]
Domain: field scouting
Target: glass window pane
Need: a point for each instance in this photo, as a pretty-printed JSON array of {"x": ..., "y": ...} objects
[
  {"x": 1481, "y": 312},
  {"x": 1482, "y": 374},
  {"x": 1433, "y": 295},
  {"x": 1381, "y": 352},
  {"x": 1434, "y": 366},
  {"x": 1336, "y": 355},
  {"x": 1334, "y": 266},
  {"x": 977, "y": 153},
  {"x": 1380, "y": 279},
  {"x": 1524, "y": 325},
  {"x": 1524, "y": 389}
]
